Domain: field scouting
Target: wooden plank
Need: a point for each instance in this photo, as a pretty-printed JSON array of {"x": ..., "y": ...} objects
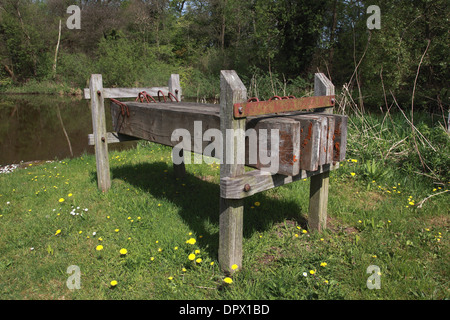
[
  {"x": 340, "y": 138},
  {"x": 157, "y": 121},
  {"x": 99, "y": 129},
  {"x": 330, "y": 139},
  {"x": 232, "y": 91},
  {"x": 310, "y": 135},
  {"x": 174, "y": 86},
  {"x": 318, "y": 192},
  {"x": 179, "y": 169},
  {"x": 126, "y": 92},
  {"x": 288, "y": 146},
  {"x": 253, "y": 182},
  {"x": 327, "y": 134},
  {"x": 112, "y": 137}
]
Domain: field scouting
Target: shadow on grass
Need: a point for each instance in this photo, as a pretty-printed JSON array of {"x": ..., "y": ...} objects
[{"x": 198, "y": 201}]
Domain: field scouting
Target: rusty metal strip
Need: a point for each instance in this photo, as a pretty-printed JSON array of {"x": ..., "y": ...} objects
[{"x": 257, "y": 108}]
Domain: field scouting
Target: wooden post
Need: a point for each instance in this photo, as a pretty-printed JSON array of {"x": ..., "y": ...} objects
[
  {"x": 232, "y": 90},
  {"x": 318, "y": 193},
  {"x": 99, "y": 128},
  {"x": 175, "y": 88}
]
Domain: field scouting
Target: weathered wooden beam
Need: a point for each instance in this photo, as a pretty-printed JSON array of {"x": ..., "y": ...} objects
[
  {"x": 127, "y": 92},
  {"x": 99, "y": 129},
  {"x": 232, "y": 91},
  {"x": 255, "y": 181},
  {"x": 179, "y": 169},
  {"x": 157, "y": 122},
  {"x": 340, "y": 138},
  {"x": 318, "y": 193},
  {"x": 174, "y": 86},
  {"x": 288, "y": 161},
  {"x": 112, "y": 137}
]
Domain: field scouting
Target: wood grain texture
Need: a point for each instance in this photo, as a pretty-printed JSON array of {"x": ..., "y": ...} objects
[
  {"x": 231, "y": 214},
  {"x": 112, "y": 137},
  {"x": 255, "y": 181},
  {"x": 175, "y": 88},
  {"x": 99, "y": 129},
  {"x": 118, "y": 93},
  {"x": 318, "y": 192}
]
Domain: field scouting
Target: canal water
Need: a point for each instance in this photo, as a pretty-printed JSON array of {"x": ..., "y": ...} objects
[{"x": 47, "y": 127}]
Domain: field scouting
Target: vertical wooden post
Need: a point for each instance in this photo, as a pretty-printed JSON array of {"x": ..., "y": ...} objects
[
  {"x": 99, "y": 128},
  {"x": 175, "y": 88},
  {"x": 174, "y": 85},
  {"x": 318, "y": 192},
  {"x": 232, "y": 90}
]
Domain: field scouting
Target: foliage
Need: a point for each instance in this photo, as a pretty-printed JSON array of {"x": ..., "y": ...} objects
[{"x": 135, "y": 41}]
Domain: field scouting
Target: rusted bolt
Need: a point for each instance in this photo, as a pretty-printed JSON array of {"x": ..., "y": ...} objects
[
  {"x": 241, "y": 110},
  {"x": 103, "y": 139},
  {"x": 99, "y": 92},
  {"x": 247, "y": 188}
]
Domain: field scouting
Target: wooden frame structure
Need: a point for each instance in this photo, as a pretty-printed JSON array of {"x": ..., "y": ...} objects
[
  {"x": 100, "y": 138},
  {"x": 318, "y": 138}
]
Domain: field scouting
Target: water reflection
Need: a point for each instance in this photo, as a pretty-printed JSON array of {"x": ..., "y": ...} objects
[{"x": 44, "y": 127}]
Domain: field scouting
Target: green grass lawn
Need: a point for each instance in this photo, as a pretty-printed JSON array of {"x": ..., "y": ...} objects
[{"x": 52, "y": 216}]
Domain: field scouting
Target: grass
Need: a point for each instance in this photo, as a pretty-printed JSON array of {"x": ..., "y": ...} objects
[{"x": 153, "y": 216}]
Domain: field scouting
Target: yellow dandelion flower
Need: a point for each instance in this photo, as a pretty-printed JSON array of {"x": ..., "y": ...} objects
[
  {"x": 352, "y": 174},
  {"x": 99, "y": 247},
  {"x": 312, "y": 271},
  {"x": 184, "y": 270},
  {"x": 197, "y": 251},
  {"x": 323, "y": 264},
  {"x": 191, "y": 257},
  {"x": 234, "y": 266},
  {"x": 116, "y": 230},
  {"x": 212, "y": 263},
  {"x": 61, "y": 200},
  {"x": 123, "y": 251},
  {"x": 57, "y": 232},
  {"x": 304, "y": 231},
  {"x": 69, "y": 195},
  {"x": 191, "y": 241},
  {"x": 113, "y": 283},
  {"x": 199, "y": 260},
  {"x": 170, "y": 278},
  {"x": 228, "y": 280}
]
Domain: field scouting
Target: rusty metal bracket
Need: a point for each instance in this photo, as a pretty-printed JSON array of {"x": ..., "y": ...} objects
[{"x": 257, "y": 108}]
